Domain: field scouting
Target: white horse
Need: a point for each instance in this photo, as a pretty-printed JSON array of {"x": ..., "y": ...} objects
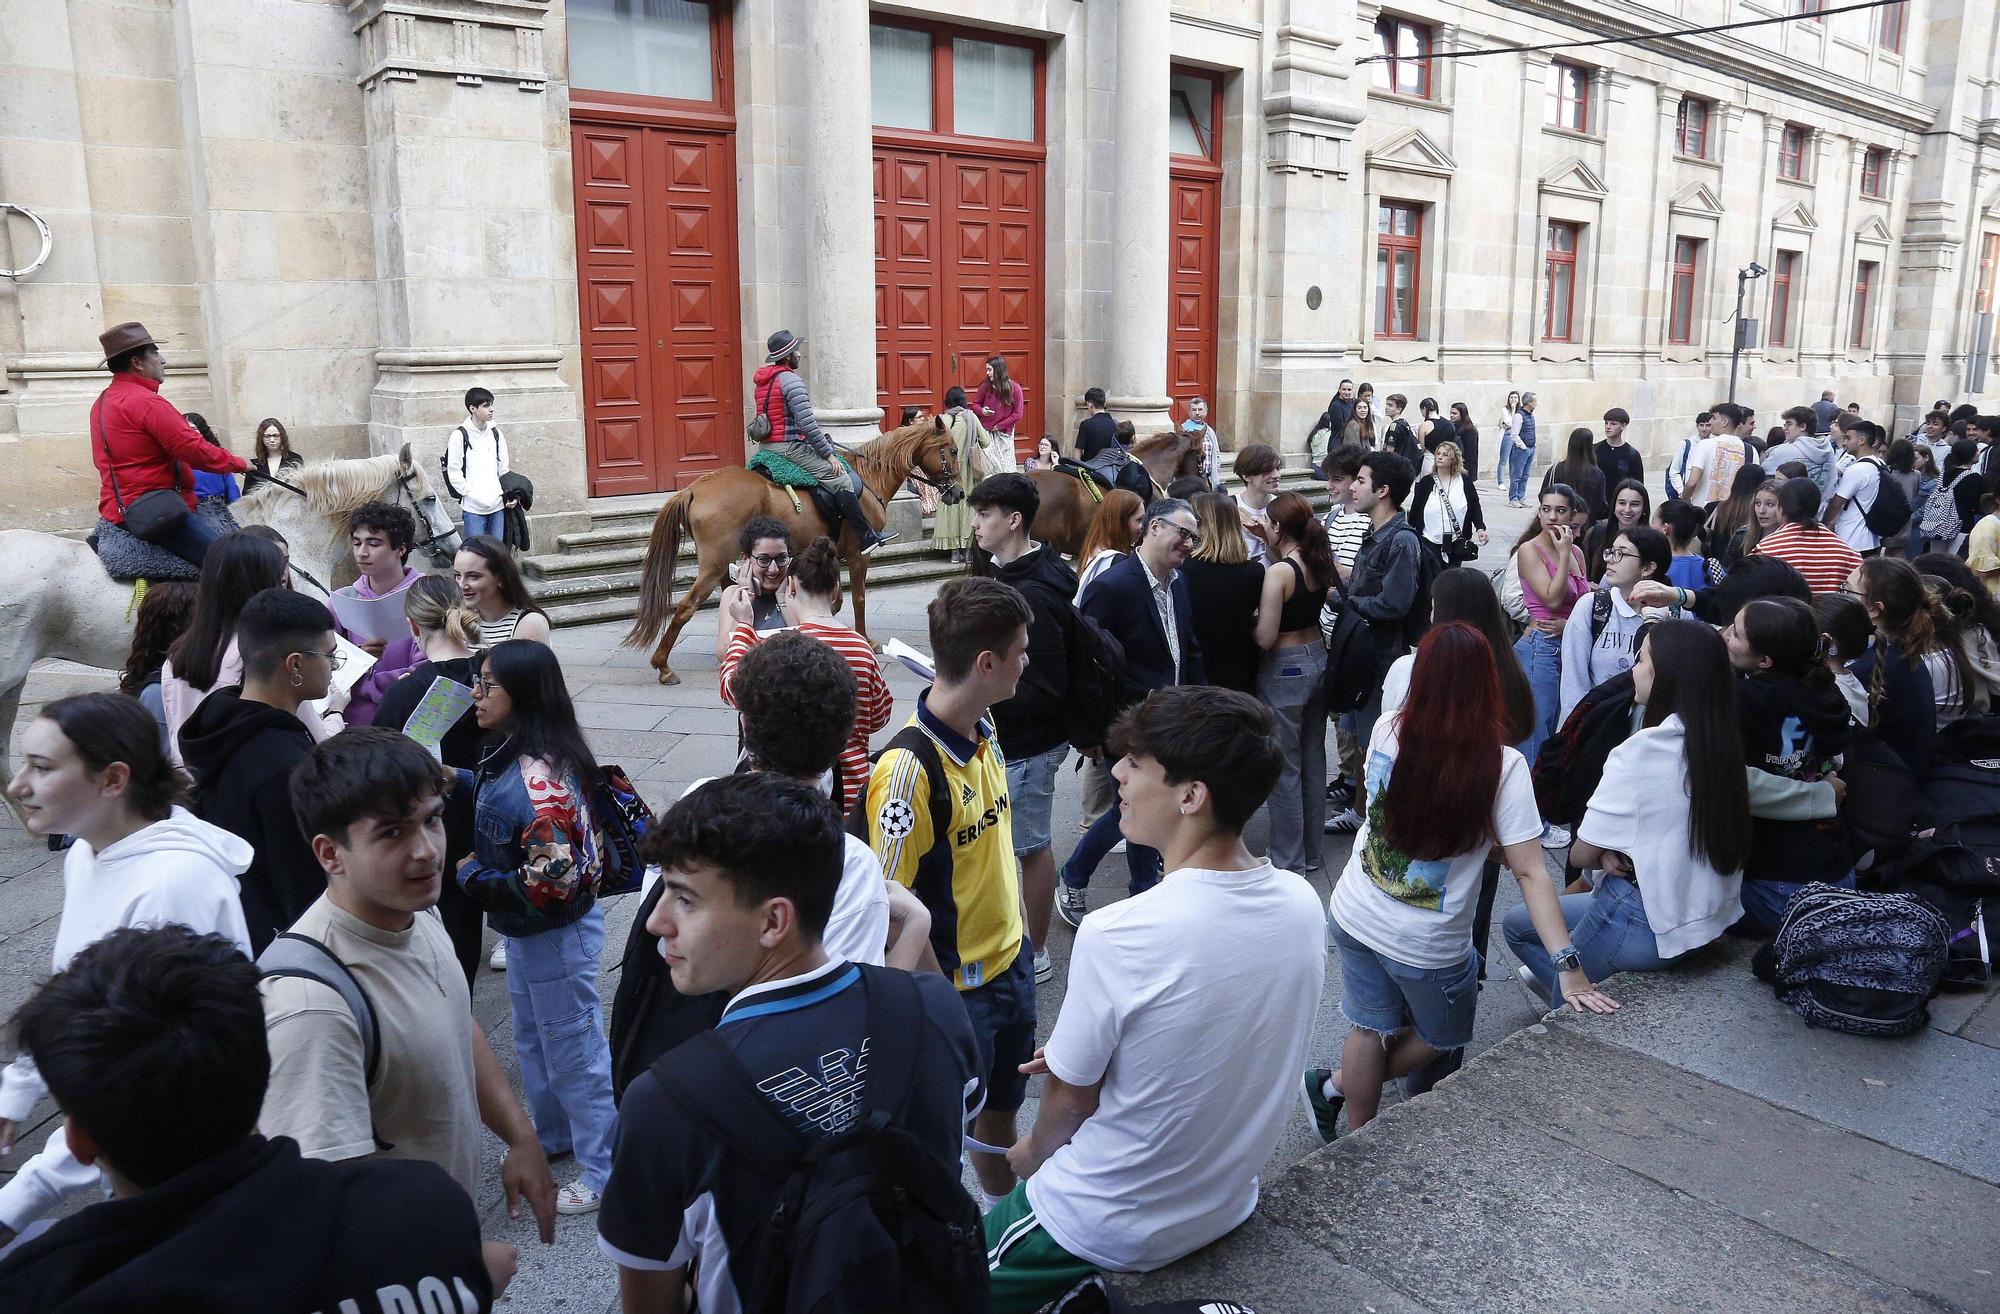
[{"x": 57, "y": 601}]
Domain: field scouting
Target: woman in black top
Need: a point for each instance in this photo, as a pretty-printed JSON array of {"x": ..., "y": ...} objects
[
  {"x": 1444, "y": 507},
  {"x": 1466, "y": 435},
  {"x": 1578, "y": 469},
  {"x": 274, "y": 453},
  {"x": 1224, "y": 586},
  {"x": 447, "y": 630},
  {"x": 1290, "y": 675}
]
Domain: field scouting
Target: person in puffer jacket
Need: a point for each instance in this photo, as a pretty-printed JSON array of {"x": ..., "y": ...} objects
[{"x": 534, "y": 868}]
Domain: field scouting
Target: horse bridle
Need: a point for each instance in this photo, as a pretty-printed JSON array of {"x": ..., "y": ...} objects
[{"x": 403, "y": 478}]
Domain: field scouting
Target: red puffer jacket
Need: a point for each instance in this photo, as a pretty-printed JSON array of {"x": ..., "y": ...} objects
[{"x": 148, "y": 439}]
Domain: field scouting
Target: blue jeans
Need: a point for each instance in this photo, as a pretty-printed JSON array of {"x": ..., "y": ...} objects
[
  {"x": 1288, "y": 682},
  {"x": 1608, "y": 928},
  {"x": 559, "y": 1036},
  {"x": 1541, "y": 661},
  {"x": 190, "y": 539},
  {"x": 1031, "y": 795},
  {"x": 1764, "y": 901},
  {"x": 494, "y": 524},
  {"x": 1142, "y": 865},
  {"x": 1523, "y": 462}
]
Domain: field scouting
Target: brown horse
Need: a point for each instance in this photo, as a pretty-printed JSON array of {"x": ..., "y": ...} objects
[
  {"x": 715, "y": 507},
  {"x": 1067, "y": 507}
]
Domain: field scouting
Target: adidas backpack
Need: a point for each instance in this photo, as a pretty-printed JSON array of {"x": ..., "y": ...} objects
[{"x": 1865, "y": 964}]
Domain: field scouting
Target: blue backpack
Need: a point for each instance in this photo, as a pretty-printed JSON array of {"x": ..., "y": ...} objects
[
  {"x": 624, "y": 820},
  {"x": 1865, "y": 964}
]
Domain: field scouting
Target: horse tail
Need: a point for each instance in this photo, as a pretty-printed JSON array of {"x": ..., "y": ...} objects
[{"x": 656, "y": 575}]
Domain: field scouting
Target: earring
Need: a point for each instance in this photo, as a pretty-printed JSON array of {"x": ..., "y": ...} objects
[{"x": 297, "y": 680}]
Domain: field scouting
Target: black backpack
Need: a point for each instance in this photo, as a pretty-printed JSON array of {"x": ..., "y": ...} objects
[
  {"x": 1096, "y": 680},
  {"x": 1354, "y": 668},
  {"x": 1570, "y": 762},
  {"x": 1430, "y": 564},
  {"x": 1962, "y": 779},
  {"x": 868, "y": 1220},
  {"x": 649, "y": 1017},
  {"x": 1865, "y": 964},
  {"x": 1889, "y": 513}
]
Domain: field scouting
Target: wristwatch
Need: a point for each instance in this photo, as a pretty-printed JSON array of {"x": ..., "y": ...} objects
[{"x": 1567, "y": 959}]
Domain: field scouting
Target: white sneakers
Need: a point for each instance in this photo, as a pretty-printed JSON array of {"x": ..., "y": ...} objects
[
  {"x": 576, "y": 1198},
  {"x": 498, "y": 960}
]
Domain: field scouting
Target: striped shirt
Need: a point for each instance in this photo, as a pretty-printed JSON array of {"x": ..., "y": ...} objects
[
  {"x": 1345, "y": 528},
  {"x": 499, "y": 631},
  {"x": 873, "y": 701},
  {"x": 1816, "y": 552}
]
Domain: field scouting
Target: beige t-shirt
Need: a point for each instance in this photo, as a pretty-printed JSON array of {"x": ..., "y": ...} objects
[{"x": 424, "y": 1102}]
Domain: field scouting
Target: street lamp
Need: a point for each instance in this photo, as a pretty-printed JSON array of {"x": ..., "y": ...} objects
[{"x": 1745, "y": 329}]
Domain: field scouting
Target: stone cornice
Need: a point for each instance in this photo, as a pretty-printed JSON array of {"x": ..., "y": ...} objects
[
  {"x": 1719, "y": 54},
  {"x": 469, "y": 40}
]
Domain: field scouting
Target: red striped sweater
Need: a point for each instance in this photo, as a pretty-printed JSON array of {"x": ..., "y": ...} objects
[{"x": 874, "y": 703}]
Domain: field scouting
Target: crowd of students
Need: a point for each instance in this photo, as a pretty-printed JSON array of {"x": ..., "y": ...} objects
[{"x": 835, "y": 955}]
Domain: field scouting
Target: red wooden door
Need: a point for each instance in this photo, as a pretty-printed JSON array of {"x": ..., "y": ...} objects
[
  {"x": 1193, "y": 249},
  {"x": 958, "y": 240},
  {"x": 657, "y": 292}
]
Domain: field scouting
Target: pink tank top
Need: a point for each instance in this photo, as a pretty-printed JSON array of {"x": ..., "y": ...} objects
[{"x": 1576, "y": 586}]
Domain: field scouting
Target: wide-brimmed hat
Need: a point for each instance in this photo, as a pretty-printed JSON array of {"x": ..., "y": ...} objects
[
  {"x": 782, "y": 344},
  {"x": 121, "y": 338}
]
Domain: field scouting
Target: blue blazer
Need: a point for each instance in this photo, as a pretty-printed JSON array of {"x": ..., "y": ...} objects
[{"x": 1121, "y": 600}]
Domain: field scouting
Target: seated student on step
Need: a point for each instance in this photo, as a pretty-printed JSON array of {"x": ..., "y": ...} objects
[
  {"x": 372, "y": 802},
  {"x": 152, "y": 1042},
  {"x": 1147, "y": 1147},
  {"x": 750, "y": 864},
  {"x": 1672, "y": 858},
  {"x": 946, "y": 763}
]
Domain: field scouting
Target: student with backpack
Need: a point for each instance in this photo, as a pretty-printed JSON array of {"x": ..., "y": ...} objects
[
  {"x": 374, "y": 1049},
  {"x": 1866, "y": 506},
  {"x": 1794, "y": 725},
  {"x": 1672, "y": 854},
  {"x": 1146, "y": 1148},
  {"x": 91, "y": 767},
  {"x": 152, "y": 1042},
  {"x": 804, "y": 1153},
  {"x": 537, "y": 859},
  {"x": 1608, "y": 643},
  {"x": 475, "y": 456},
  {"x": 937, "y": 816}
]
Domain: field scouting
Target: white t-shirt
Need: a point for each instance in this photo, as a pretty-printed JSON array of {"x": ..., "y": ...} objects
[
  {"x": 1718, "y": 459},
  {"x": 1687, "y": 902},
  {"x": 1253, "y": 516},
  {"x": 1859, "y": 482},
  {"x": 1420, "y": 912},
  {"x": 1199, "y": 1039},
  {"x": 1396, "y": 685}
]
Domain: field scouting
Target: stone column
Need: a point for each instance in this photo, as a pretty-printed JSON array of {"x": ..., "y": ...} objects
[
  {"x": 469, "y": 188},
  {"x": 839, "y": 209},
  {"x": 1137, "y": 378}
]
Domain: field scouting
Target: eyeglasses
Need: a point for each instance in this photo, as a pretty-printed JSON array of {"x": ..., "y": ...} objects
[
  {"x": 769, "y": 562},
  {"x": 1620, "y": 554},
  {"x": 335, "y": 658},
  {"x": 481, "y": 686},
  {"x": 1191, "y": 537}
]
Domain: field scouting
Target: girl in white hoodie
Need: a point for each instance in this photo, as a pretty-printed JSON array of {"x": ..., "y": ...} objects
[
  {"x": 91, "y": 767},
  {"x": 1672, "y": 857}
]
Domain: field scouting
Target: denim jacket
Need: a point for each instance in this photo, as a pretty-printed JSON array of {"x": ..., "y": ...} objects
[{"x": 534, "y": 864}]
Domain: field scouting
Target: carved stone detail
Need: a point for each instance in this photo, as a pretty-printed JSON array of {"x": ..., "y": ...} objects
[{"x": 471, "y": 41}]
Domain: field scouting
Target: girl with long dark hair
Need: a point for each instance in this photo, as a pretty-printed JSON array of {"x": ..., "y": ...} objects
[
  {"x": 491, "y": 584},
  {"x": 162, "y": 618},
  {"x": 1580, "y": 471},
  {"x": 1631, "y": 505},
  {"x": 999, "y": 401},
  {"x": 274, "y": 454},
  {"x": 1466, "y": 435},
  {"x": 1444, "y": 790},
  {"x": 1602, "y": 638},
  {"x": 1731, "y": 515},
  {"x": 1672, "y": 857},
  {"x": 534, "y": 868},
  {"x": 1794, "y": 724},
  {"x": 1290, "y": 676}
]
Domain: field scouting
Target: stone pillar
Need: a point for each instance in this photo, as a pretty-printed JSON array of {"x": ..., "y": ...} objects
[
  {"x": 475, "y": 250},
  {"x": 839, "y": 209},
  {"x": 1137, "y": 378}
]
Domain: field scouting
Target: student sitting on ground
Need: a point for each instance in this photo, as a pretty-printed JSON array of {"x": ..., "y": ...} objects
[
  {"x": 152, "y": 1042},
  {"x": 809, "y": 1045},
  {"x": 1146, "y": 1147},
  {"x": 1672, "y": 858}
]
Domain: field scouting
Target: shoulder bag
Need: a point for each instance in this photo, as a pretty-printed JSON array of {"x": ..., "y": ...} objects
[
  {"x": 153, "y": 515},
  {"x": 1458, "y": 545},
  {"x": 759, "y": 427}
]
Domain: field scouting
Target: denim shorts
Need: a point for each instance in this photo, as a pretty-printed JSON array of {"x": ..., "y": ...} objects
[
  {"x": 1382, "y": 995},
  {"x": 1031, "y": 798},
  {"x": 1003, "y": 1028}
]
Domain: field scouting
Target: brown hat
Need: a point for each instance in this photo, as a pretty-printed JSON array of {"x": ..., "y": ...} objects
[{"x": 121, "y": 338}]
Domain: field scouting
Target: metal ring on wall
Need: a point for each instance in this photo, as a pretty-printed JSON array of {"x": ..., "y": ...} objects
[{"x": 42, "y": 228}]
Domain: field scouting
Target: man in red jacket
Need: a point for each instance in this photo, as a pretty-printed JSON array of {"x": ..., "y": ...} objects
[{"x": 138, "y": 441}]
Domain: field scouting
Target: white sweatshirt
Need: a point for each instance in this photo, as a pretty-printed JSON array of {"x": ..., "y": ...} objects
[
  {"x": 475, "y": 458},
  {"x": 180, "y": 870}
]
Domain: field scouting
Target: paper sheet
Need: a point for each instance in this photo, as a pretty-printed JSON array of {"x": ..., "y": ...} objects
[
  {"x": 370, "y": 618},
  {"x": 910, "y": 657},
  {"x": 357, "y": 664},
  {"x": 443, "y": 705}
]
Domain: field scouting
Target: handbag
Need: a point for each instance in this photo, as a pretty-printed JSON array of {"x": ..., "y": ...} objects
[
  {"x": 1458, "y": 547},
  {"x": 759, "y": 427},
  {"x": 152, "y": 515}
]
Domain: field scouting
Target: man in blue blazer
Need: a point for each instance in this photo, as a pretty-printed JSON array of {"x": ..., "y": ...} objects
[{"x": 1143, "y": 603}]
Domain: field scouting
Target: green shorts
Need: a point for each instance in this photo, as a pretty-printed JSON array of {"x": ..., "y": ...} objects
[{"x": 1028, "y": 1269}]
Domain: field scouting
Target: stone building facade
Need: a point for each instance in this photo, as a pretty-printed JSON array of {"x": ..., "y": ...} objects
[{"x": 345, "y": 212}]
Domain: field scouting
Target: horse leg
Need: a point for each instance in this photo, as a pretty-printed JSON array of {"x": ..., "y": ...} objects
[
  {"x": 857, "y": 584},
  {"x": 10, "y": 704},
  {"x": 705, "y": 581}
]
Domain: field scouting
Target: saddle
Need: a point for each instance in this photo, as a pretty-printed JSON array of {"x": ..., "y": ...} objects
[
  {"x": 127, "y": 557},
  {"x": 792, "y": 477}
]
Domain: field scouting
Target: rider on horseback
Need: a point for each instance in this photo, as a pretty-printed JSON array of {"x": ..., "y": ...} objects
[{"x": 796, "y": 436}]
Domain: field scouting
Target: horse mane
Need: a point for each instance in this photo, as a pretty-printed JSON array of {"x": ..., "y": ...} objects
[
  {"x": 898, "y": 447},
  {"x": 1146, "y": 443},
  {"x": 333, "y": 488}
]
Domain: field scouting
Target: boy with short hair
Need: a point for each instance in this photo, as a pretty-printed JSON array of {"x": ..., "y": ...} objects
[
  {"x": 381, "y": 535},
  {"x": 372, "y": 803},
  {"x": 1258, "y": 466},
  {"x": 1145, "y": 1147},
  {"x": 1617, "y": 459},
  {"x": 938, "y": 814},
  {"x": 749, "y": 864},
  {"x": 152, "y": 1042},
  {"x": 475, "y": 456}
]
